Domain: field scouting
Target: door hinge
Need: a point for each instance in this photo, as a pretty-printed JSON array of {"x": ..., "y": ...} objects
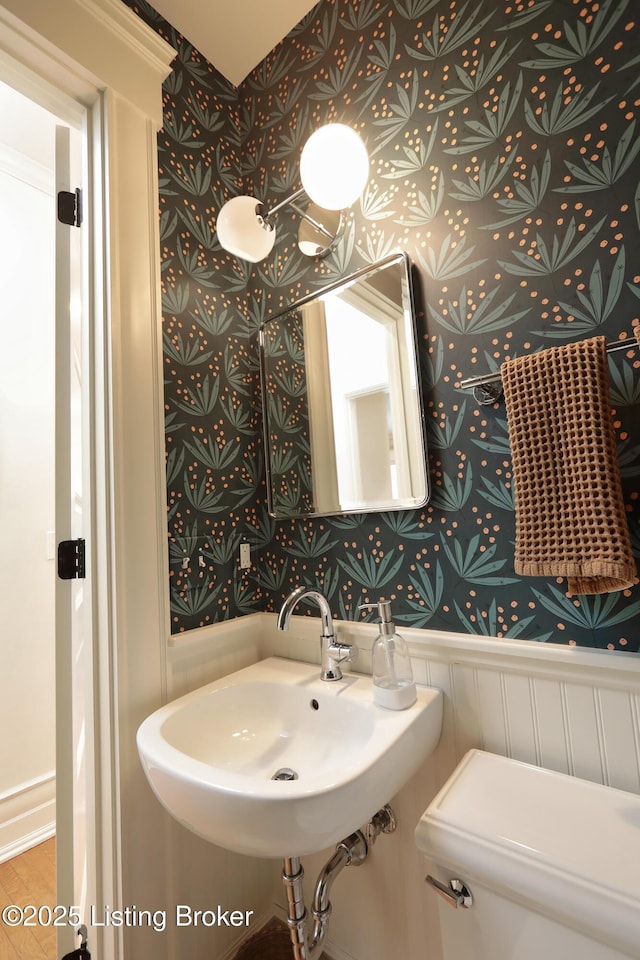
[
  {"x": 71, "y": 559},
  {"x": 70, "y": 207}
]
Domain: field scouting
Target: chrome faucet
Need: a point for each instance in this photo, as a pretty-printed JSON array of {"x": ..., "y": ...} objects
[{"x": 332, "y": 653}]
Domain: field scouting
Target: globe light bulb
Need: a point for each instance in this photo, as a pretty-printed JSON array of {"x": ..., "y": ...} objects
[
  {"x": 334, "y": 166},
  {"x": 241, "y": 232}
]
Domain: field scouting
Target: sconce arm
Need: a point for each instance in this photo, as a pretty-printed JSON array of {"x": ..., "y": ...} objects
[
  {"x": 283, "y": 203},
  {"x": 265, "y": 217}
]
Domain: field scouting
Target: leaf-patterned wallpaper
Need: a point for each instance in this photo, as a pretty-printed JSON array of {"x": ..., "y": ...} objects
[
  {"x": 505, "y": 146},
  {"x": 286, "y": 408}
]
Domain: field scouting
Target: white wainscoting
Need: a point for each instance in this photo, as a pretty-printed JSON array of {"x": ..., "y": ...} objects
[
  {"x": 201, "y": 656},
  {"x": 27, "y": 816},
  {"x": 564, "y": 708}
]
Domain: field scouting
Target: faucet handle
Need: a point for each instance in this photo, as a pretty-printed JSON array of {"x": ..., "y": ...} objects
[{"x": 343, "y": 651}]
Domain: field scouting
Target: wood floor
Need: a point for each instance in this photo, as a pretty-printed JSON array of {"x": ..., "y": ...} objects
[{"x": 29, "y": 879}]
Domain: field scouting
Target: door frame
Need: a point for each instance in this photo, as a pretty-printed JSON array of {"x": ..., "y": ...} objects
[
  {"x": 74, "y": 613},
  {"x": 102, "y": 55}
]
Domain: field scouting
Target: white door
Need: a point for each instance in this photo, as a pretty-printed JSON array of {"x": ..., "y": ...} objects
[{"x": 74, "y": 667}]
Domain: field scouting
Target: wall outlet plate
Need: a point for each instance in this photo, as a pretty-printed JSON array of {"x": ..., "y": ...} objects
[{"x": 245, "y": 555}]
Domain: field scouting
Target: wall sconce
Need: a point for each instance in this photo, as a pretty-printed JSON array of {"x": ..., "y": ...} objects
[{"x": 334, "y": 167}]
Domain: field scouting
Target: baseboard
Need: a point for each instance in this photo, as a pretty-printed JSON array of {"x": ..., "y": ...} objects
[{"x": 27, "y": 816}]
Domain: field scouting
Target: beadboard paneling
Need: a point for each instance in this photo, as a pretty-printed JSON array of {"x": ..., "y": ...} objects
[
  {"x": 201, "y": 656},
  {"x": 620, "y": 738}
]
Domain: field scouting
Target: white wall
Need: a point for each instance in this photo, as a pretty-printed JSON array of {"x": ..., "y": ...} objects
[
  {"x": 560, "y": 707},
  {"x": 27, "y": 575}
]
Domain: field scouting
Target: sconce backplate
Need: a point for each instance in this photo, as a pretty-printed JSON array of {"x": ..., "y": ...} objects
[{"x": 319, "y": 230}]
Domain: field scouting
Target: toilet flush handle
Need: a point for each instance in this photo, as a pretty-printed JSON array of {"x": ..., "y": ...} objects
[{"x": 457, "y": 894}]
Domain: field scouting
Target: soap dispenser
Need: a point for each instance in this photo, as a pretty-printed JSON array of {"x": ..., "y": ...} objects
[{"x": 393, "y": 683}]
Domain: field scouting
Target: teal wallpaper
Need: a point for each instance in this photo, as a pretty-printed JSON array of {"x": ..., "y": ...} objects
[
  {"x": 505, "y": 147},
  {"x": 286, "y": 410}
]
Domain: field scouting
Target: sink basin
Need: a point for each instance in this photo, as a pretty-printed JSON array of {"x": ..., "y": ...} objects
[{"x": 211, "y": 756}]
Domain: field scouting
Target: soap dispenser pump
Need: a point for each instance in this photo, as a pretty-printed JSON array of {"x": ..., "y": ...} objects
[{"x": 393, "y": 683}]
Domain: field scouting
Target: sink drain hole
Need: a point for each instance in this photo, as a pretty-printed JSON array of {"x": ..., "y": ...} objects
[{"x": 285, "y": 773}]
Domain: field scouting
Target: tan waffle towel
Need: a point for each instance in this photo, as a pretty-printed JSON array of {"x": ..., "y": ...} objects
[{"x": 570, "y": 516}]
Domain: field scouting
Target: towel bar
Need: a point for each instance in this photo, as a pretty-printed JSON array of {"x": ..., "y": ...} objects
[{"x": 487, "y": 389}]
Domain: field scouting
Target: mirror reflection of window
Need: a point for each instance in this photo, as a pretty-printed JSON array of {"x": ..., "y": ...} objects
[{"x": 360, "y": 400}]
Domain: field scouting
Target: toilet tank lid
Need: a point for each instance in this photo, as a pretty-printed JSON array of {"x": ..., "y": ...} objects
[{"x": 566, "y": 847}]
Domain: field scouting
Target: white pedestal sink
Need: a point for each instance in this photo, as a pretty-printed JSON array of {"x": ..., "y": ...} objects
[{"x": 212, "y": 755}]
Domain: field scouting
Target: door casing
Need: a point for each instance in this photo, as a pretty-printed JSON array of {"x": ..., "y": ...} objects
[{"x": 100, "y": 54}]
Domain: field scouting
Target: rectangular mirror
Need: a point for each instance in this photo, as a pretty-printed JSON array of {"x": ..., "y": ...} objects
[{"x": 342, "y": 404}]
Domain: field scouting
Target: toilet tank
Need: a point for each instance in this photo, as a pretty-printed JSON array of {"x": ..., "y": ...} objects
[{"x": 552, "y": 863}]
